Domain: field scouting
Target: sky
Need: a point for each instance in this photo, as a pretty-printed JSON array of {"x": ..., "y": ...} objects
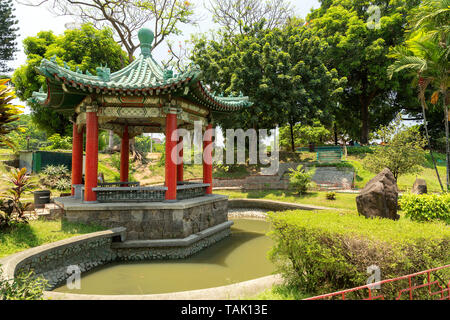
[{"x": 35, "y": 19}]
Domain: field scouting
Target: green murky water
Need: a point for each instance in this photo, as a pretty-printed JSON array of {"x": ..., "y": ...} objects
[{"x": 240, "y": 257}]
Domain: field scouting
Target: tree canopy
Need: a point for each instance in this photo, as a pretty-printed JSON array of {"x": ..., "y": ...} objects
[
  {"x": 279, "y": 69},
  {"x": 8, "y": 34},
  {"x": 85, "y": 48},
  {"x": 360, "y": 34}
]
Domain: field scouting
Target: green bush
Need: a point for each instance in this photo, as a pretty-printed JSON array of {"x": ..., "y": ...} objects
[
  {"x": 331, "y": 195},
  {"x": 300, "y": 180},
  {"x": 426, "y": 207},
  {"x": 57, "y": 177},
  {"x": 323, "y": 252},
  {"x": 358, "y": 150},
  {"x": 22, "y": 287},
  {"x": 58, "y": 143}
]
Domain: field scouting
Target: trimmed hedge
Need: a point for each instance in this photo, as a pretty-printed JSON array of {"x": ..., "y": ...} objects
[
  {"x": 323, "y": 252},
  {"x": 426, "y": 207}
]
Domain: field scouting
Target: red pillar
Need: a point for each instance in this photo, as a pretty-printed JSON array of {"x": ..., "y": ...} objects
[
  {"x": 124, "y": 155},
  {"x": 180, "y": 165},
  {"x": 207, "y": 158},
  {"x": 171, "y": 167},
  {"x": 77, "y": 156},
  {"x": 91, "y": 156}
]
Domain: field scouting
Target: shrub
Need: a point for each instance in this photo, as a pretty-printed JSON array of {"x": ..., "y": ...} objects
[
  {"x": 322, "y": 252},
  {"x": 56, "y": 142},
  {"x": 13, "y": 209},
  {"x": 57, "y": 177},
  {"x": 359, "y": 150},
  {"x": 331, "y": 195},
  {"x": 300, "y": 180},
  {"x": 22, "y": 287},
  {"x": 426, "y": 207}
]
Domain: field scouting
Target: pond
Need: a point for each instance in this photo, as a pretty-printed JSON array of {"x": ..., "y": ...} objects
[{"x": 240, "y": 257}]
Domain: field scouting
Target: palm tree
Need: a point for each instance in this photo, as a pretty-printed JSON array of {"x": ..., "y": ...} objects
[
  {"x": 426, "y": 54},
  {"x": 427, "y": 60},
  {"x": 8, "y": 113}
]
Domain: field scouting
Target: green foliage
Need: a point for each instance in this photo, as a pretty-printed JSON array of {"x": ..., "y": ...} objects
[
  {"x": 331, "y": 195},
  {"x": 8, "y": 113},
  {"x": 22, "y": 287},
  {"x": 13, "y": 209},
  {"x": 303, "y": 134},
  {"x": 56, "y": 142},
  {"x": 359, "y": 150},
  {"x": 28, "y": 135},
  {"x": 359, "y": 52},
  {"x": 327, "y": 251},
  {"x": 426, "y": 207},
  {"x": 279, "y": 69},
  {"x": 8, "y": 34},
  {"x": 300, "y": 180},
  {"x": 57, "y": 177},
  {"x": 85, "y": 48},
  {"x": 404, "y": 153},
  {"x": 143, "y": 144}
]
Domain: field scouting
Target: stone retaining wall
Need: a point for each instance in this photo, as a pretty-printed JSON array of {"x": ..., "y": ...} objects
[
  {"x": 153, "y": 221},
  {"x": 50, "y": 261}
]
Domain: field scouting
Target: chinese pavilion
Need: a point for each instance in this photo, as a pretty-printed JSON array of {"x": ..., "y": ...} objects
[{"x": 141, "y": 98}]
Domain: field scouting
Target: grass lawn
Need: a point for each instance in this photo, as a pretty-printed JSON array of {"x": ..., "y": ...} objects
[
  {"x": 404, "y": 182},
  {"x": 280, "y": 292},
  {"x": 317, "y": 198},
  {"x": 37, "y": 233}
]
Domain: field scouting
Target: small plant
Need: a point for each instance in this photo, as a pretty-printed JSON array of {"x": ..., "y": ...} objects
[
  {"x": 13, "y": 208},
  {"x": 331, "y": 195},
  {"x": 57, "y": 177},
  {"x": 22, "y": 287},
  {"x": 300, "y": 180}
]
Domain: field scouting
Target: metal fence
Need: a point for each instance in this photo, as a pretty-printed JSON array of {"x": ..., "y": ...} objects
[{"x": 430, "y": 282}]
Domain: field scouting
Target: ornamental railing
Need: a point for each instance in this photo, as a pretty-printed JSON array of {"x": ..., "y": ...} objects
[
  {"x": 431, "y": 284},
  {"x": 130, "y": 194},
  {"x": 119, "y": 184},
  {"x": 148, "y": 194}
]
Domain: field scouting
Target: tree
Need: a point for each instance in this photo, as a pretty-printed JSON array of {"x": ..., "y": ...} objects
[
  {"x": 403, "y": 154},
  {"x": 8, "y": 34},
  {"x": 359, "y": 34},
  {"x": 237, "y": 15},
  {"x": 278, "y": 69},
  {"x": 126, "y": 17},
  {"x": 27, "y": 136},
  {"x": 303, "y": 134},
  {"x": 85, "y": 48},
  {"x": 8, "y": 114},
  {"x": 425, "y": 55}
]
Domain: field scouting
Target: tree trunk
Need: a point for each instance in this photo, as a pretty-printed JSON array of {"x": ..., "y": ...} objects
[
  {"x": 364, "y": 123},
  {"x": 447, "y": 146},
  {"x": 292, "y": 136},
  {"x": 422, "y": 102},
  {"x": 335, "y": 135}
]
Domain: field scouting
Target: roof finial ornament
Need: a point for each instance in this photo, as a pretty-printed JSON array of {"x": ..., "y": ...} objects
[
  {"x": 53, "y": 59},
  {"x": 146, "y": 37}
]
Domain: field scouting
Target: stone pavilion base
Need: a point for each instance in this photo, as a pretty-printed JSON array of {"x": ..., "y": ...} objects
[{"x": 151, "y": 220}]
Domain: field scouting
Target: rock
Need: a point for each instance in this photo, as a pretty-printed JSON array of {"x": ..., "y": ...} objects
[
  {"x": 419, "y": 186},
  {"x": 379, "y": 197}
]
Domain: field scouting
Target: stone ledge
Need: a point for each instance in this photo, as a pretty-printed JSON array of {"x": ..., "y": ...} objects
[
  {"x": 271, "y": 205},
  {"x": 10, "y": 263},
  {"x": 69, "y": 204},
  {"x": 173, "y": 242},
  {"x": 233, "y": 291}
]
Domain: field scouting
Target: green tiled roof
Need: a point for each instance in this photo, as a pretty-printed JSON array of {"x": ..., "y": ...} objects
[{"x": 144, "y": 76}]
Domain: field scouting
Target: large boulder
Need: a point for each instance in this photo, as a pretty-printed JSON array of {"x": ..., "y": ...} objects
[
  {"x": 379, "y": 197},
  {"x": 419, "y": 186}
]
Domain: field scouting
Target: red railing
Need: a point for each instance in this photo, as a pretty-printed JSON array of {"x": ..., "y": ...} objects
[{"x": 442, "y": 290}]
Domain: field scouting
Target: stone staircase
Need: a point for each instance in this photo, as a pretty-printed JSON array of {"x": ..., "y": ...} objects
[{"x": 51, "y": 211}]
